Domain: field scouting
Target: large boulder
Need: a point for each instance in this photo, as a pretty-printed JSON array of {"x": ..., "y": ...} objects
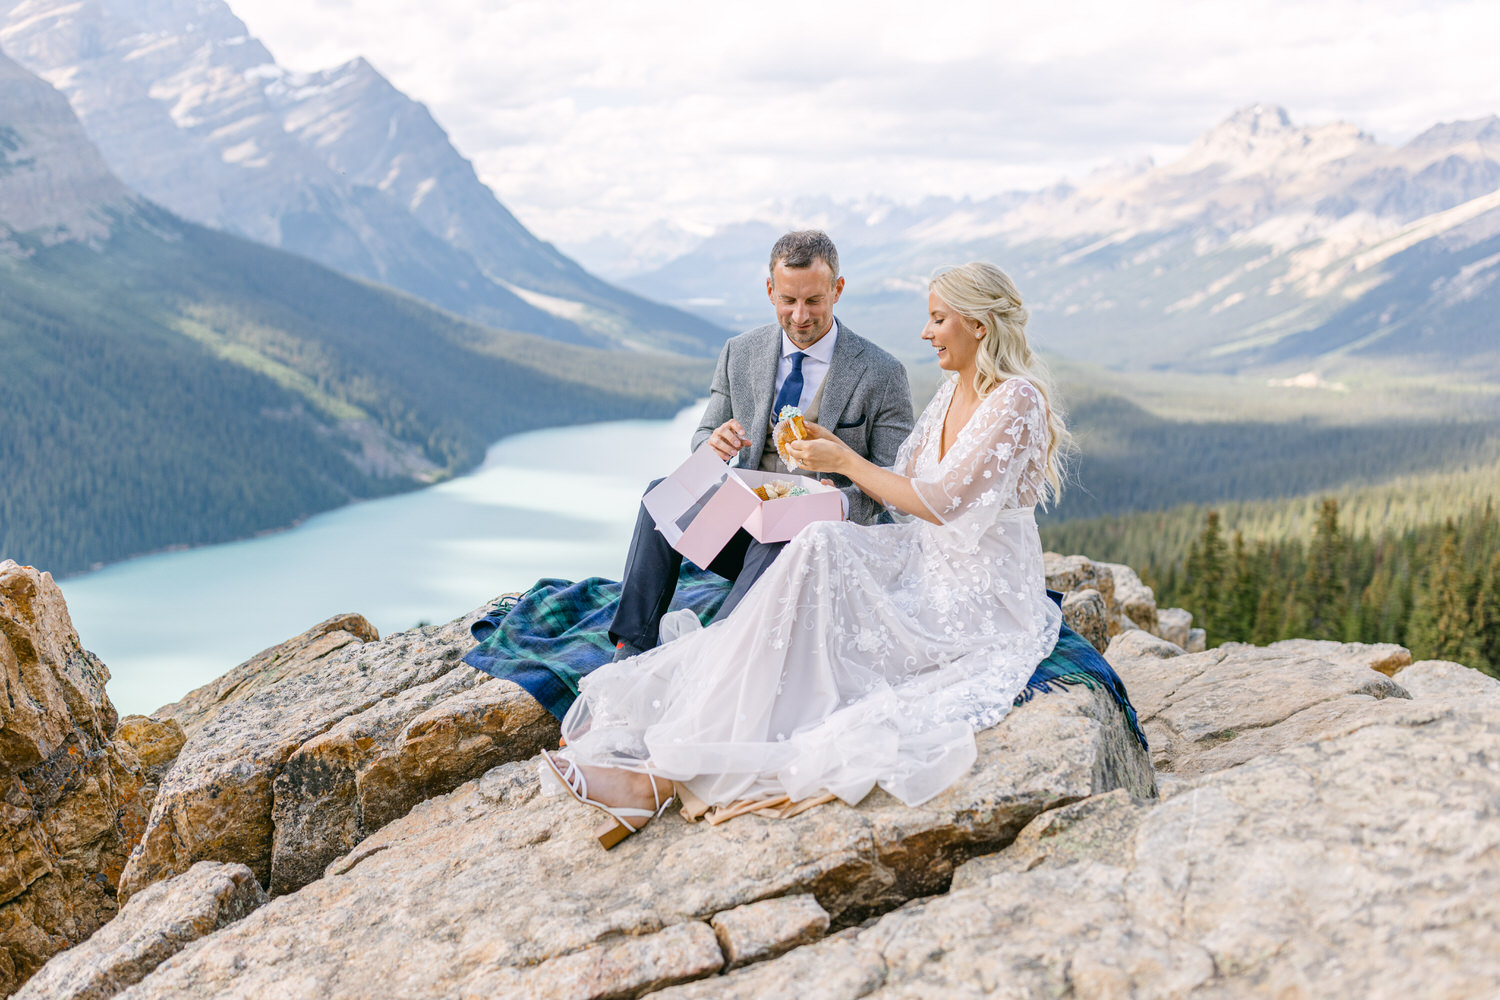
[
  {"x": 1136, "y": 601},
  {"x": 1128, "y": 602},
  {"x": 373, "y": 767},
  {"x": 1174, "y": 625},
  {"x": 219, "y": 801},
  {"x": 1359, "y": 866},
  {"x": 1444, "y": 679},
  {"x": 1196, "y": 708},
  {"x": 497, "y": 890},
  {"x": 155, "y": 925},
  {"x": 1088, "y": 615},
  {"x": 1066, "y": 574},
  {"x": 268, "y": 667},
  {"x": 71, "y": 796},
  {"x": 1386, "y": 657},
  {"x": 300, "y": 753}
]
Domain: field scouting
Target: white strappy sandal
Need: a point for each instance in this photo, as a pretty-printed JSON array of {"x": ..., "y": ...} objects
[{"x": 620, "y": 826}]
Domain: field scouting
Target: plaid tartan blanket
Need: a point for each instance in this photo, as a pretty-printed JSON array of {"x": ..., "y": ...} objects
[{"x": 551, "y": 637}]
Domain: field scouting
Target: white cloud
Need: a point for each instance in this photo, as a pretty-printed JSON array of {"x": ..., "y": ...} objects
[{"x": 588, "y": 116}]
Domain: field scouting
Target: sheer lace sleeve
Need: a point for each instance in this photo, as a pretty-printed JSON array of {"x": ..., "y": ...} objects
[
  {"x": 905, "y": 464},
  {"x": 998, "y": 458}
]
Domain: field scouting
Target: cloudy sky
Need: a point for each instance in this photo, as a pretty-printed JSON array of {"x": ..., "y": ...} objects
[{"x": 591, "y": 116}]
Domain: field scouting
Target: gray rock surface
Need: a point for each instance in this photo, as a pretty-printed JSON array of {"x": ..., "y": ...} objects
[
  {"x": 1193, "y": 707},
  {"x": 624, "y": 967},
  {"x": 1101, "y": 828},
  {"x": 758, "y": 931},
  {"x": 495, "y": 889},
  {"x": 1386, "y": 657},
  {"x": 267, "y": 668},
  {"x": 1359, "y": 866},
  {"x": 1137, "y": 644},
  {"x": 1174, "y": 625},
  {"x": 1446, "y": 679},
  {"x": 152, "y": 927},
  {"x": 1323, "y": 830}
]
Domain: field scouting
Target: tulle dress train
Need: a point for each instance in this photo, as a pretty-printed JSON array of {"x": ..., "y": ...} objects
[{"x": 863, "y": 656}]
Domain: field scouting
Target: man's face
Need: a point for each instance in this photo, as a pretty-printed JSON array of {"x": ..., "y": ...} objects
[{"x": 804, "y": 298}]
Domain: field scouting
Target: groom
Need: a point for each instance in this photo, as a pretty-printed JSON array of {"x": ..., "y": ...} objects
[{"x": 806, "y": 359}]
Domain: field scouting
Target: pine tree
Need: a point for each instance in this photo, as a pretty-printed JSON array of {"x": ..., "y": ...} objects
[
  {"x": 1440, "y": 625},
  {"x": 1206, "y": 578},
  {"x": 1486, "y": 619},
  {"x": 1247, "y": 580},
  {"x": 1324, "y": 586},
  {"x": 1270, "y": 607}
]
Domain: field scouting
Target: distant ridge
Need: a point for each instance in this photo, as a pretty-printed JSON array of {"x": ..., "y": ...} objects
[
  {"x": 53, "y": 183},
  {"x": 191, "y": 111},
  {"x": 1265, "y": 245}
]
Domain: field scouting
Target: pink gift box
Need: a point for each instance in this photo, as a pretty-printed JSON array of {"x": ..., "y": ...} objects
[{"x": 701, "y": 505}]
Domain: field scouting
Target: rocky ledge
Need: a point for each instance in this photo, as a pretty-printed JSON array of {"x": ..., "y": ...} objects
[{"x": 1313, "y": 819}]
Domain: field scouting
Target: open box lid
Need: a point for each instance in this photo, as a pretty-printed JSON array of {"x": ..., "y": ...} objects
[{"x": 700, "y": 506}]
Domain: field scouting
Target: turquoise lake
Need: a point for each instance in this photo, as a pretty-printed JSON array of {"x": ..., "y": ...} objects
[{"x": 554, "y": 503}]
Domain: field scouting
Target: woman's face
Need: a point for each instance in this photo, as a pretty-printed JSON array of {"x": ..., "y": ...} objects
[{"x": 951, "y": 334}]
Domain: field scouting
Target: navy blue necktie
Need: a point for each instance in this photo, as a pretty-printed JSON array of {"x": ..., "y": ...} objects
[{"x": 791, "y": 389}]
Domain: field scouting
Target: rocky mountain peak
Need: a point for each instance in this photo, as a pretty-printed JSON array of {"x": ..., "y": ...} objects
[
  {"x": 1262, "y": 138},
  {"x": 193, "y": 113},
  {"x": 1258, "y": 118},
  {"x": 53, "y": 182},
  {"x": 1481, "y": 132}
]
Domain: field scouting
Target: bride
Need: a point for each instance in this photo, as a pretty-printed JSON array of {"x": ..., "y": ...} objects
[{"x": 865, "y": 655}]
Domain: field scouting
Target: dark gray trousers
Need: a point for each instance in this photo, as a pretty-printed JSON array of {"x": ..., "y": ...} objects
[{"x": 650, "y": 580}]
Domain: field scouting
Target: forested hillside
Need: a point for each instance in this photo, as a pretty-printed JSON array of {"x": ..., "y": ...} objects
[
  {"x": 1131, "y": 459},
  {"x": 174, "y": 385},
  {"x": 1414, "y": 562},
  {"x": 1361, "y": 515}
]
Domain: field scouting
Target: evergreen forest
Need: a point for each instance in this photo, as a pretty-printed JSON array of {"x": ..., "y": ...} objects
[
  {"x": 1378, "y": 528},
  {"x": 1430, "y": 585},
  {"x": 179, "y": 386}
]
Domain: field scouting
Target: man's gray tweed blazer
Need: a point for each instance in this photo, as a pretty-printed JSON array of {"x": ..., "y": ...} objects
[{"x": 866, "y": 401}]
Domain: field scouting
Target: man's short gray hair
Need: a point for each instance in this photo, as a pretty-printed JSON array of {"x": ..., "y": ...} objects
[{"x": 798, "y": 250}]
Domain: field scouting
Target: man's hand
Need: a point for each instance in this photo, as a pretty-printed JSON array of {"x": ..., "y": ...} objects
[{"x": 728, "y": 438}]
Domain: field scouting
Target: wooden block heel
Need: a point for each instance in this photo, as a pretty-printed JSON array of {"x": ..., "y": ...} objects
[
  {"x": 619, "y": 825},
  {"x": 611, "y": 832}
]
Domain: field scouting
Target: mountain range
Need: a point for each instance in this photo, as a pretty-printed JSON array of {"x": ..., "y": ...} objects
[
  {"x": 170, "y": 384},
  {"x": 191, "y": 111},
  {"x": 1265, "y": 246}
]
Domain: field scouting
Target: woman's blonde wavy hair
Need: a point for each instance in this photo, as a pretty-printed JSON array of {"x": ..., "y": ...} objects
[{"x": 985, "y": 294}]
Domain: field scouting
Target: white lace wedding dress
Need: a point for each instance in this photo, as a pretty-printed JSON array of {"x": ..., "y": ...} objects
[{"x": 864, "y": 655}]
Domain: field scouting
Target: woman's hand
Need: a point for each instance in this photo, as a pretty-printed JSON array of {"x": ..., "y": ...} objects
[{"x": 822, "y": 451}]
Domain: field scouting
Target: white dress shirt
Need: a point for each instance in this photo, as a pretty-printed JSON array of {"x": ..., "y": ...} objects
[
  {"x": 814, "y": 366},
  {"x": 814, "y": 369}
]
